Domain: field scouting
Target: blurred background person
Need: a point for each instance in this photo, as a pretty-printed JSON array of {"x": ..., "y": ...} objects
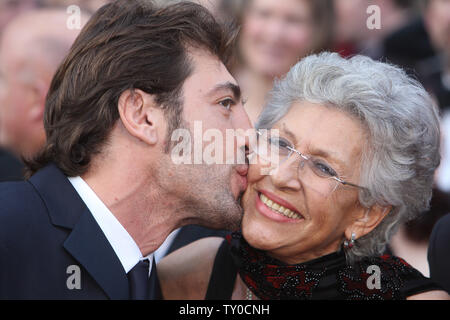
[
  {"x": 274, "y": 35},
  {"x": 11, "y": 8},
  {"x": 10, "y": 163},
  {"x": 11, "y": 166},
  {"x": 435, "y": 73},
  {"x": 422, "y": 48},
  {"x": 352, "y": 35},
  {"x": 437, "y": 21},
  {"x": 89, "y": 6},
  {"x": 32, "y": 46}
]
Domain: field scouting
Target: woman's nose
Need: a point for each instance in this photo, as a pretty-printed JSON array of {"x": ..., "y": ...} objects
[{"x": 286, "y": 175}]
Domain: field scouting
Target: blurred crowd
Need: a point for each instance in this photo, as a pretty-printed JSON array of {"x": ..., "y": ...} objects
[{"x": 273, "y": 36}]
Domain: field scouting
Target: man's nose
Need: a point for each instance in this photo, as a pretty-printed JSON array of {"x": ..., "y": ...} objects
[
  {"x": 242, "y": 125},
  {"x": 241, "y": 119}
]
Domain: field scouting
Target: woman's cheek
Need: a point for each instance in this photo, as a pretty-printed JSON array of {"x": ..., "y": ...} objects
[{"x": 256, "y": 171}]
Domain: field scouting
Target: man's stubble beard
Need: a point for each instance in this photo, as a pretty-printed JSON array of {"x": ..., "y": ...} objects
[
  {"x": 203, "y": 194},
  {"x": 204, "y": 191}
]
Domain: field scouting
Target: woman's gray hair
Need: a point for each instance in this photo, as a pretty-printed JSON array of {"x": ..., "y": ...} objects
[{"x": 401, "y": 122}]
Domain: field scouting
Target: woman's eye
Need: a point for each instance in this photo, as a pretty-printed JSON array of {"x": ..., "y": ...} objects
[
  {"x": 227, "y": 103},
  {"x": 280, "y": 143},
  {"x": 324, "y": 169}
]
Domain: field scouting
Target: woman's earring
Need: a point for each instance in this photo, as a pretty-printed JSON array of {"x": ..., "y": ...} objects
[{"x": 349, "y": 244}]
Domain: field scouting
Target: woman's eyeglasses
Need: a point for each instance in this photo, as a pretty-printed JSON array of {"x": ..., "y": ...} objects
[{"x": 313, "y": 172}]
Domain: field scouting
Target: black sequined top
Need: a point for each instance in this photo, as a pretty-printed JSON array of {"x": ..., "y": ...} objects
[{"x": 326, "y": 278}]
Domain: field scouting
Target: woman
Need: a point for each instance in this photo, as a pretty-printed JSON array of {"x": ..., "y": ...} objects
[
  {"x": 358, "y": 146},
  {"x": 274, "y": 36}
]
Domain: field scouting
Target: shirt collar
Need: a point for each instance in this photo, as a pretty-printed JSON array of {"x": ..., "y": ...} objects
[{"x": 118, "y": 237}]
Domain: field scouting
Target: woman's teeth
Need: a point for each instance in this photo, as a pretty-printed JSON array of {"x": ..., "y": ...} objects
[{"x": 279, "y": 208}]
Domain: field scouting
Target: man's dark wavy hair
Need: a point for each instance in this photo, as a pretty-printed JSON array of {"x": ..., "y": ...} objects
[{"x": 127, "y": 44}]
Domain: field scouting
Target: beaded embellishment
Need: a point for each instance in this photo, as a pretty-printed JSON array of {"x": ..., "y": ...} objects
[{"x": 328, "y": 277}]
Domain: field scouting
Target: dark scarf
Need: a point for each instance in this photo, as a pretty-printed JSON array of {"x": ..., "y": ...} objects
[{"x": 328, "y": 277}]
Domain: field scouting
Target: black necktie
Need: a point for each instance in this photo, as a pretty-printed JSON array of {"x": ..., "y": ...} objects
[
  {"x": 143, "y": 287},
  {"x": 155, "y": 289},
  {"x": 138, "y": 279}
]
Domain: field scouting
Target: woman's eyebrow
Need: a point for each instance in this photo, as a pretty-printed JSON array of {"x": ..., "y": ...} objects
[
  {"x": 289, "y": 133},
  {"x": 329, "y": 155}
]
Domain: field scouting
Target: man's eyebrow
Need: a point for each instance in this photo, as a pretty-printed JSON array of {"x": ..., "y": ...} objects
[{"x": 227, "y": 86}]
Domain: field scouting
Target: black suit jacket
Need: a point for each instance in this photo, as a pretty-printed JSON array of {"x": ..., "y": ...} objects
[
  {"x": 10, "y": 167},
  {"x": 439, "y": 253},
  {"x": 45, "y": 228}
]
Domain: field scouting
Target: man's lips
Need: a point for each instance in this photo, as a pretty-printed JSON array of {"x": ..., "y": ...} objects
[
  {"x": 243, "y": 182},
  {"x": 242, "y": 171}
]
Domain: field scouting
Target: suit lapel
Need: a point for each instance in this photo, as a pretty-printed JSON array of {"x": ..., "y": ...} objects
[
  {"x": 86, "y": 242},
  {"x": 63, "y": 203},
  {"x": 89, "y": 246}
]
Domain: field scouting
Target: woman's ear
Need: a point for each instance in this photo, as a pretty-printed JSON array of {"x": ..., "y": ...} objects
[
  {"x": 141, "y": 115},
  {"x": 368, "y": 221}
]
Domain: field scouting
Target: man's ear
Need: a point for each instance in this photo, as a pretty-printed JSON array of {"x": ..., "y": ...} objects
[
  {"x": 141, "y": 116},
  {"x": 364, "y": 224},
  {"x": 38, "y": 94}
]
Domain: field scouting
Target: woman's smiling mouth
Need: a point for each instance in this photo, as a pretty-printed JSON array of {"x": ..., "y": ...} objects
[{"x": 276, "y": 209}]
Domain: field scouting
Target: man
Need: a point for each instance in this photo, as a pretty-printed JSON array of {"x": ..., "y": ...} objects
[
  {"x": 105, "y": 191},
  {"x": 434, "y": 70},
  {"x": 31, "y": 48}
]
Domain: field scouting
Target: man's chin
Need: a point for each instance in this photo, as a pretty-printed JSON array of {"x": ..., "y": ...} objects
[
  {"x": 235, "y": 225},
  {"x": 234, "y": 218}
]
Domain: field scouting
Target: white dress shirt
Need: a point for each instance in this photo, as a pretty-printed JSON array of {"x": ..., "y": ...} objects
[
  {"x": 162, "y": 250},
  {"x": 120, "y": 240}
]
